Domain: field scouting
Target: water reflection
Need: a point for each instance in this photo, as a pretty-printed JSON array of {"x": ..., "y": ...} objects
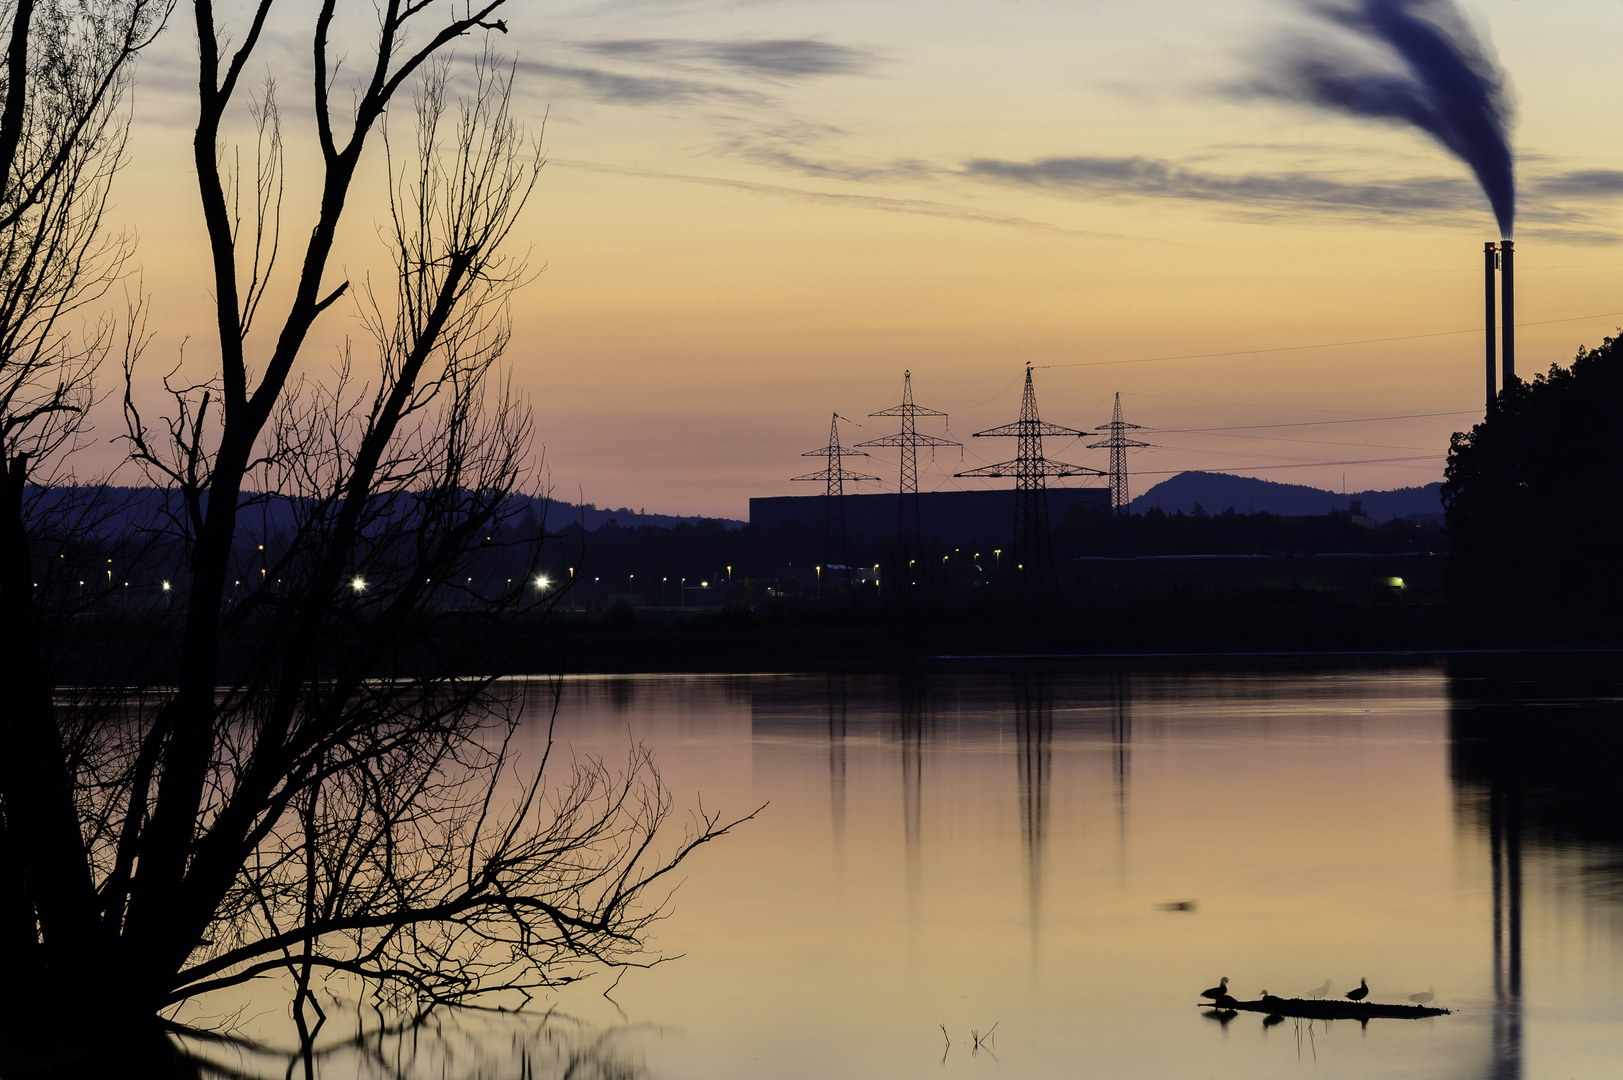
[
  {"x": 835, "y": 692},
  {"x": 1034, "y": 735},
  {"x": 1422, "y": 825},
  {"x": 1535, "y": 751},
  {"x": 1121, "y": 737},
  {"x": 446, "y": 1046},
  {"x": 912, "y": 727}
]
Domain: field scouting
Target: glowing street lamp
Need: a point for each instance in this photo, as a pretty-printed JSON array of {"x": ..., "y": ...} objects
[{"x": 358, "y": 584}]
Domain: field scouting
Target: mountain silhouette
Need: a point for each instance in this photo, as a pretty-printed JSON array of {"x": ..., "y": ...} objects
[{"x": 1216, "y": 492}]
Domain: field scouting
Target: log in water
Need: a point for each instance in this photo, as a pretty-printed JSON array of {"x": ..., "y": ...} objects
[{"x": 1314, "y": 1009}]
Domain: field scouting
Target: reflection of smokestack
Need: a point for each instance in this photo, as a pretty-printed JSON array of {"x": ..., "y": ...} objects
[
  {"x": 1490, "y": 263},
  {"x": 1507, "y": 283}
]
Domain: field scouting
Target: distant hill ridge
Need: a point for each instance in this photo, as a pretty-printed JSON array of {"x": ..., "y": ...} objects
[
  {"x": 1216, "y": 492},
  {"x": 145, "y": 501}
]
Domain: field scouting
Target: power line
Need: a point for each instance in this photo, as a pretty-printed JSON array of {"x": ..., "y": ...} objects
[
  {"x": 1319, "y": 423},
  {"x": 1236, "y": 404},
  {"x": 1321, "y": 345}
]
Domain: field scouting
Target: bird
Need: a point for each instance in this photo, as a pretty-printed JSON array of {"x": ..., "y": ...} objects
[
  {"x": 1424, "y": 997},
  {"x": 1319, "y": 991},
  {"x": 1361, "y": 993},
  {"x": 1221, "y": 990}
]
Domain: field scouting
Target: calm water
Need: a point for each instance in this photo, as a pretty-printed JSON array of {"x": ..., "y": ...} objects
[{"x": 970, "y": 851}]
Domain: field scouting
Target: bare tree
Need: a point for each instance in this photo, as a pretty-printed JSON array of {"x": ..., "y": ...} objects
[
  {"x": 62, "y": 134},
  {"x": 318, "y": 785}
]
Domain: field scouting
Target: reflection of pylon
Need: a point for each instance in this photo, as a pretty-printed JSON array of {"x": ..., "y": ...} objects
[
  {"x": 909, "y": 531},
  {"x": 836, "y": 475},
  {"x": 1033, "y": 563},
  {"x": 1118, "y": 443}
]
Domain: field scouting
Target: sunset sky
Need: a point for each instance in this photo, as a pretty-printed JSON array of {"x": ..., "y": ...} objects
[{"x": 756, "y": 213}]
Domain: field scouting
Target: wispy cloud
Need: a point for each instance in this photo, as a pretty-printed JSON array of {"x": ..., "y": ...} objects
[
  {"x": 789, "y": 58},
  {"x": 1595, "y": 184},
  {"x": 617, "y": 88},
  {"x": 1280, "y": 191},
  {"x": 924, "y": 207},
  {"x": 1553, "y": 201}
]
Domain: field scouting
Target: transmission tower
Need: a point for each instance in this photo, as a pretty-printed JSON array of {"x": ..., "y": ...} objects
[
  {"x": 1033, "y": 563},
  {"x": 909, "y": 532},
  {"x": 834, "y": 509},
  {"x": 1118, "y": 443}
]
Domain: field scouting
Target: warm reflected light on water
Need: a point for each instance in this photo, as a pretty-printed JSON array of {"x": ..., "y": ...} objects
[
  {"x": 991, "y": 849},
  {"x": 1073, "y": 858}
]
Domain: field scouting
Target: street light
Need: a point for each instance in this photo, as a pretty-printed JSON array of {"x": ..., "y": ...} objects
[{"x": 358, "y": 584}]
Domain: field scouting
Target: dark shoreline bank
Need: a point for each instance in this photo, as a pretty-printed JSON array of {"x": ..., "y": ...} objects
[{"x": 142, "y": 651}]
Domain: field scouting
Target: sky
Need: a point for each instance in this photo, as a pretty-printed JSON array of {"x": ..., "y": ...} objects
[{"x": 755, "y": 214}]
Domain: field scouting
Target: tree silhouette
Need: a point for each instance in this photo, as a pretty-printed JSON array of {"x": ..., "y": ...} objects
[
  {"x": 316, "y": 784},
  {"x": 1533, "y": 498}
]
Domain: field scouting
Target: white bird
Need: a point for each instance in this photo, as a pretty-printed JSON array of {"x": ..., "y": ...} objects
[
  {"x": 1424, "y": 997},
  {"x": 1319, "y": 991}
]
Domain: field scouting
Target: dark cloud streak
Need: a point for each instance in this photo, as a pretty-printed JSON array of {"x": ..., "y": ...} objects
[
  {"x": 1285, "y": 191},
  {"x": 794, "y": 58},
  {"x": 618, "y": 89}
]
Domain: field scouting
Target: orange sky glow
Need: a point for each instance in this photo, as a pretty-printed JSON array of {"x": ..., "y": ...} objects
[{"x": 755, "y": 215}]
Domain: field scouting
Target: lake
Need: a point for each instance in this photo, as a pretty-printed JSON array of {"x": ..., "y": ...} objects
[{"x": 1061, "y": 862}]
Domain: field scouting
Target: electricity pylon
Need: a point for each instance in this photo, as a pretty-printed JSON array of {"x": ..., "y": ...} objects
[
  {"x": 1032, "y": 567},
  {"x": 1118, "y": 443},
  {"x": 834, "y": 509},
  {"x": 909, "y": 531}
]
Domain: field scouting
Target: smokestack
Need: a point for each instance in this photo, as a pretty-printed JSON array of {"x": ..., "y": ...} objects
[
  {"x": 1490, "y": 263},
  {"x": 1507, "y": 305}
]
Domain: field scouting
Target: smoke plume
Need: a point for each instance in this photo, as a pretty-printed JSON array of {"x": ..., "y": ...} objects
[{"x": 1409, "y": 62}]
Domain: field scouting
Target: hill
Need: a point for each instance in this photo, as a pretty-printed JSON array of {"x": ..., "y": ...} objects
[
  {"x": 1217, "y": 492},
  {"x": 146, "y": 504}
]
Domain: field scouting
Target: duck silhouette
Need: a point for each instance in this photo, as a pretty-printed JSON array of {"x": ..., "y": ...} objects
[
  {"x": 1361, "y": 993},
  {"x": 1424, "y": 997},
  {"x": 1218, "y": 992},
  {"x": 1319, "y": 991}
]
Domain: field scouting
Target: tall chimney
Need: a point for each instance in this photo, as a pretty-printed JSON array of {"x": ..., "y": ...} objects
[
  {"x": 1507, "y": 305},
  {"x": 1490, "y": 263}
]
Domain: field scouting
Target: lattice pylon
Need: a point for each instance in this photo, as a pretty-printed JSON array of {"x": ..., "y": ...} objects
[
  {"x": 835, "y": 474},
  {"x": 1118, "y": 443},
  {"x": 1034, "y": 578},
  {"x": 909, "y": 527}
]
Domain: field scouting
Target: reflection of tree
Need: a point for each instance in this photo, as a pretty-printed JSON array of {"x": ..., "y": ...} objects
[
  {"x": 487, "y": 1047},
  {"x": 1533, "y": 760},
  {"x": 1034, "y": 733}
]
